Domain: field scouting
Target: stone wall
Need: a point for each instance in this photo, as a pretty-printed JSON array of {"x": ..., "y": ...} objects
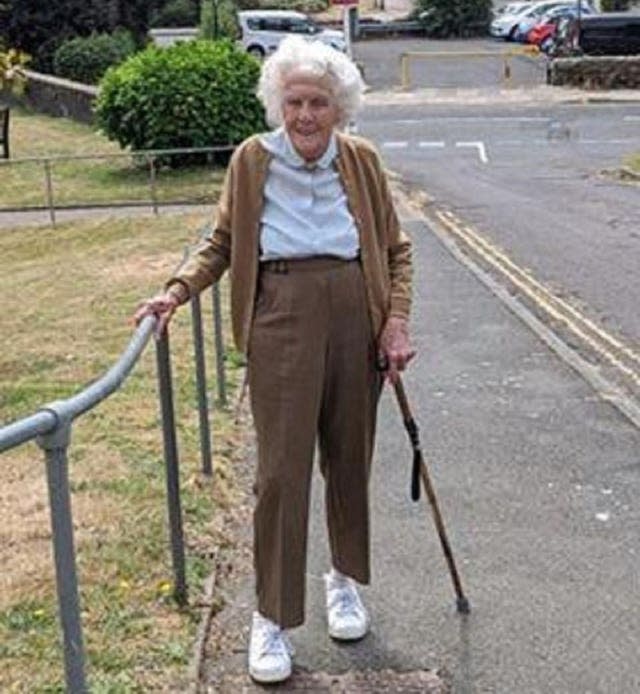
[
  {"x": 590, "y": 72},
  {"x": 60, "y": 97}
]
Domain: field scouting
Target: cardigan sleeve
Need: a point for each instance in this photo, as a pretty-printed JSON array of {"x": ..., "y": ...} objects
[
  {"x": 211, "y": 257},
  {"x": 399, "y": 255}
]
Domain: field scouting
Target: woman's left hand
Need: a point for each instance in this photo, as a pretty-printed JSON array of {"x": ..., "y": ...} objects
[{"x": 395, "y": 347}]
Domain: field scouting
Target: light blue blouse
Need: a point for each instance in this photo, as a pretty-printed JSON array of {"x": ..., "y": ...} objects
[{"x": 305, "y": 208}]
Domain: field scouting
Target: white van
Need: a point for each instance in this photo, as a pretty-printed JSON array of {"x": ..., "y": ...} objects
[{"x": 262, "y": 30}]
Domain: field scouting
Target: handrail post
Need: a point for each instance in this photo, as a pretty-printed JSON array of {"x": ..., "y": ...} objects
[
  {"x": 152, "y": 183},
  {"x": 55, "y": 447},
  {"x": 219, "y": 343},
  {"x": 49, "y": 191},
  {"x": 201, "y": 385},
  {"x": 171, "y": 467}
]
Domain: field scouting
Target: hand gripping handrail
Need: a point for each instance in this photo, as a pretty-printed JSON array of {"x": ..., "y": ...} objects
[{"x": 51, "y": 425}]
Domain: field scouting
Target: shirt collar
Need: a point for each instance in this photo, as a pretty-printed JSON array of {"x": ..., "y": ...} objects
[{"x": 279, "y": 144}]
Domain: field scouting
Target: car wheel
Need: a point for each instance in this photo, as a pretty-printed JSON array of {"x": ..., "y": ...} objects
[
  {"x": 512, "y": 33},
  {"x": 256, "y": 52}
]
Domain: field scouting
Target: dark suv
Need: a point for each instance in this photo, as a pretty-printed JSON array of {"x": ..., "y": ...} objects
[{"x": 610, "y": 34}]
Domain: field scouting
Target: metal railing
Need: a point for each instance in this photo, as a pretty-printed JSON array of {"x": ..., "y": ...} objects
[
  {"x": 405, "y": 58},
  {"x": 51, "y": 428},
  {"x": 150, "y": 158},
  {"x": 4, "y": 131}
]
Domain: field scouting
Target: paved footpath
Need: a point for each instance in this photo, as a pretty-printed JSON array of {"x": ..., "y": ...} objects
[{"x": 538, "y": 480}]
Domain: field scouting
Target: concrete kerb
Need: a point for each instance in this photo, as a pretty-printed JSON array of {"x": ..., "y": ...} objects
[
  {"x": 607, "y": 390},
  {"x": 543, "y": 94}
]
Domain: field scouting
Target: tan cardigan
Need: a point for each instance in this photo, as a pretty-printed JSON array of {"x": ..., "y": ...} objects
[{"x": 385, "y": 251}]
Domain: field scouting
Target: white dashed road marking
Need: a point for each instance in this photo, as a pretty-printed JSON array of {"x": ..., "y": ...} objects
[
  {"x": 395, "y": 145},
  {"x": 427, "y": 144},
  {"x": 474, "y": 119}
]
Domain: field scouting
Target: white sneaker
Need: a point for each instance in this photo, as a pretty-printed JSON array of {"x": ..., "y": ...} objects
[
  {"x": 269, "y": 651},
  {"x": 347, "y": 617}
]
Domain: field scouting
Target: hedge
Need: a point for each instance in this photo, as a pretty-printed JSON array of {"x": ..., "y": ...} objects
[{"x": 192, "y": 94}]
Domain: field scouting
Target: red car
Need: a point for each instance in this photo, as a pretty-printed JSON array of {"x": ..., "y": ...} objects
[{"x": 541, "y": 32}]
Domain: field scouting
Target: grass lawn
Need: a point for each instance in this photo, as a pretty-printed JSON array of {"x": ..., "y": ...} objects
[
  {"x": 67, "y": 293},
  {"x": 633, "y": 162},
  {"x": 88, "y": 181}
]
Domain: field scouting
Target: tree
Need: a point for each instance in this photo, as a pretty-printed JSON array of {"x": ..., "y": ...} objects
[
  {"x": 12, "y": 80},
  {"x": 218, "y": 19},
  {"x": 176, "y": 13},
  {"x": 38, "y": 27},
  {"x": 445, "y": 18},
  {"x": 209, "y": 19}
]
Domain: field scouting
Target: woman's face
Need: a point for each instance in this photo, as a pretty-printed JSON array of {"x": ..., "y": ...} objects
[{"x": 310, "y": 114}]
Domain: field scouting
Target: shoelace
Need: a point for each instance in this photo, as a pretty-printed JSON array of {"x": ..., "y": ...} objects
[
  {"x": 271, "y": 643},
  {"x": 344, "y": 599},
  {"x": 275, "y": 642}
]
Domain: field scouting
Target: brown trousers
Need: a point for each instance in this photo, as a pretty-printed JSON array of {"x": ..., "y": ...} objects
[{"x": 312, "y": 378}]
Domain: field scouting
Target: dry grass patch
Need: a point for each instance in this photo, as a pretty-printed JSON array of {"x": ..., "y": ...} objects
[
  {"x": 68, "y": 293},
  {"x": 633, "y": 162}
]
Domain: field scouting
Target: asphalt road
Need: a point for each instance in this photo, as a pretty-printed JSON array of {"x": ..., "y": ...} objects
[
  {"x": 381, "y": 61},
  {"x": 529, "y": 179}
]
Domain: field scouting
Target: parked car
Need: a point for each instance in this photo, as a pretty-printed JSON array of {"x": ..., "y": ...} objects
[
  {"x": 547, "y": 24},
  {"x": 506, "y": 25},
  {"x": 609, "y": 34},
  {"x": 529, "y": 20},
  {"x": 262, "y": 30},
  {"x": 543, "y": 31},
  {"x": 511, "y": 8}
]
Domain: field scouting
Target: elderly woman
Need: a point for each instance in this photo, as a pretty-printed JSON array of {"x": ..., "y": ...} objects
[{"x": 320, "y": 288}]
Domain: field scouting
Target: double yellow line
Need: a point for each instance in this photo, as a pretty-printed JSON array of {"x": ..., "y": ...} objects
[{"x": 624, "y": 359}]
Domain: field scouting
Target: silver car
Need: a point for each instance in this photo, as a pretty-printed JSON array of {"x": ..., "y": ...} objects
[{"x": 262, "y": 30}]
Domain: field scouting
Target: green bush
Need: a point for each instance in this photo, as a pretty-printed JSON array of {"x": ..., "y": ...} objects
[
  {"x": 176, "y": 13},
  {"x": 192, "y": 94},
  {"x": 87, "y": 59},
  {"x": 447, "y": 18}
]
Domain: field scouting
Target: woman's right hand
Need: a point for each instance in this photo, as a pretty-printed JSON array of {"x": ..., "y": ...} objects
[{"x": 162, "y": 305}]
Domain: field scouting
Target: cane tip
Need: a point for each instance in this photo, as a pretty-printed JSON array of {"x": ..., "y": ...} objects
[{"x": 463, "y": 606}]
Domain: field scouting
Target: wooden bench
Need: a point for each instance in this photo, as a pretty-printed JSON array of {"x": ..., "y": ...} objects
[{"x": 4, "y": 131}]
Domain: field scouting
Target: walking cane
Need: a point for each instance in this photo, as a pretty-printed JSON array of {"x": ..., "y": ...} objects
[{"x": 419, "y": 471}]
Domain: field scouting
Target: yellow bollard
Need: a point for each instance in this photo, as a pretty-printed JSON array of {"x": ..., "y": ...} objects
[
  {"x": 507, "y": 70},
  {"x": 404, "y": 68}
]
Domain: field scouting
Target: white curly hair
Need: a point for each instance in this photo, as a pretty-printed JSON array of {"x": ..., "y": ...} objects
[{"x": 316, "y": 59}]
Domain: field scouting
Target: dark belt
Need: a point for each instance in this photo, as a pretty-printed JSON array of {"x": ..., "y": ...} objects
[{"x": 317, "y": 262}]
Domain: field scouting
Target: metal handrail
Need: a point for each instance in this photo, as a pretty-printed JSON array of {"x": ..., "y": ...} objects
[
  {"x": 51, "y": 425},
  {"x": 141, "y": 153},
  {"x": 45, "y": 420},
  {"x": 150, "y": 156}
]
